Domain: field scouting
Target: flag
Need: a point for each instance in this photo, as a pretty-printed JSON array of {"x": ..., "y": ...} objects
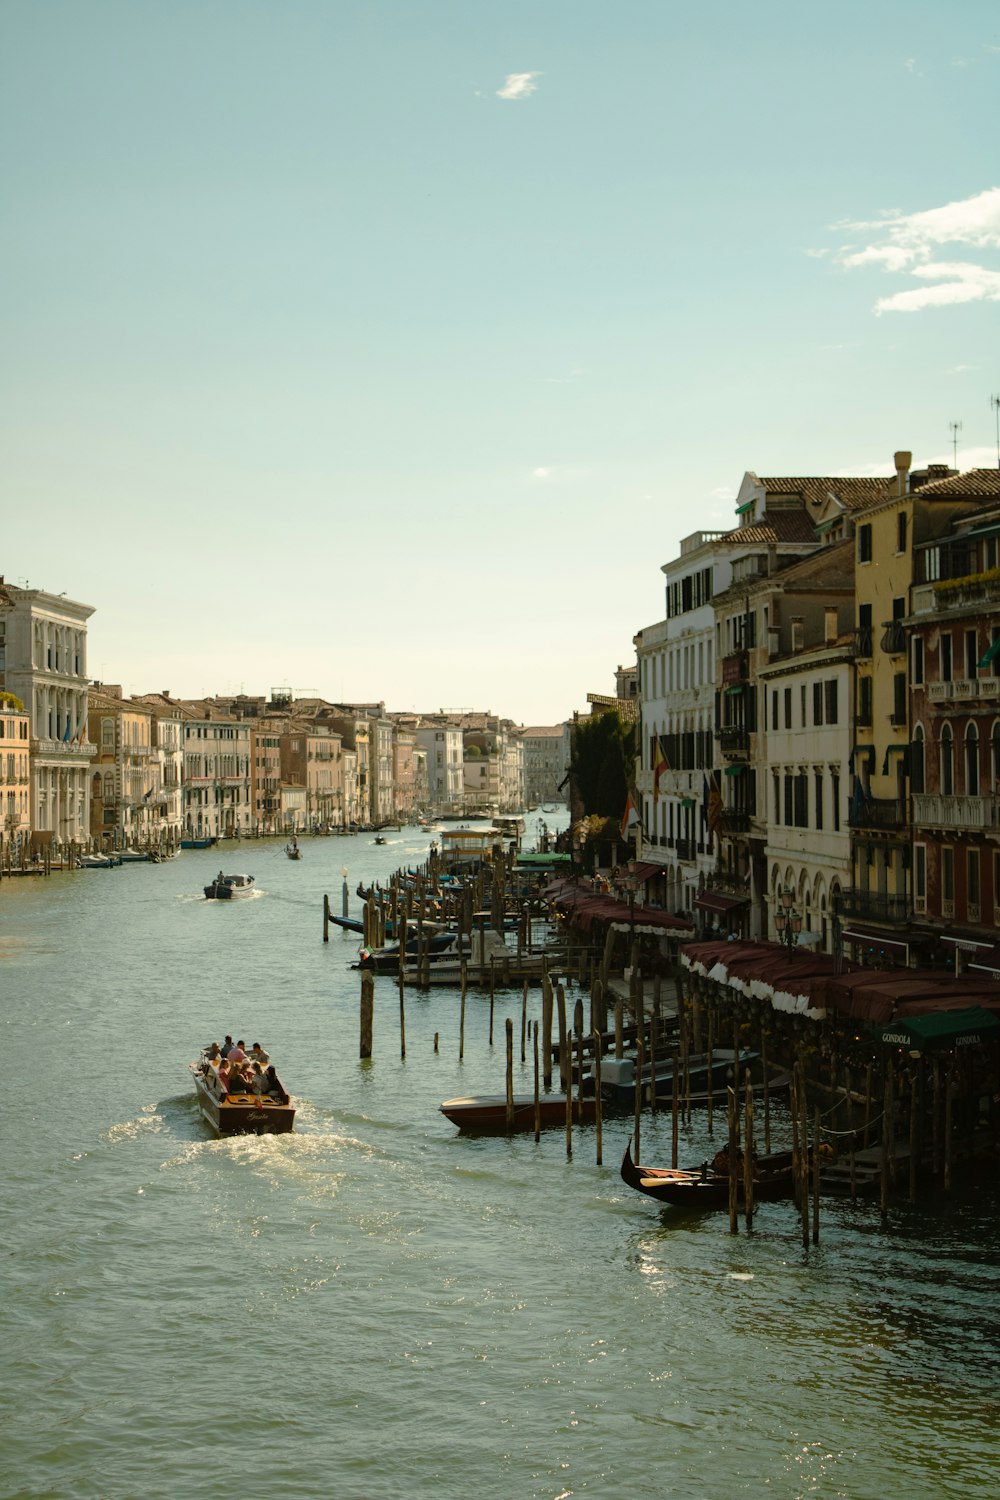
[
  {"x": 67, "y": 733},
  {"x": 660, "y": 764},
  {"x": 629, "y": 817},
  {"x": 147, "y": 795}
]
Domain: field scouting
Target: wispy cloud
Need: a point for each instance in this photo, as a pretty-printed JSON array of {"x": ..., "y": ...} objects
[
  {"x": 541, "y": 473},
  {"x": 906, "y": 244},
  {"x": 518, "y": 86}
]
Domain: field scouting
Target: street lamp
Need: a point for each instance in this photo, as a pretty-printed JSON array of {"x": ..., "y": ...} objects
[{"x": 787, "y": 921}]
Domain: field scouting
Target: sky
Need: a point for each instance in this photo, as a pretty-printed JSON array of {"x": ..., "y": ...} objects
[{"x": 386, "y": 349}]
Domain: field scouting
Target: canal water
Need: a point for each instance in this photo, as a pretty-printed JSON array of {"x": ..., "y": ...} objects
[{"x": 376, "y": 1306}]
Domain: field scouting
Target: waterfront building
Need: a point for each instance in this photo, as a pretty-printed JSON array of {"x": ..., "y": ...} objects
[
  {"x": 441, "y": 741},
  {"x": 294, "y": 812},
  {"x": 805, "y": 689},
  {"x": 918, "y": 507},
  {"x": 311, "y": 757},
  {"x": 126, "y": 799},
  {"x": 409, "y": 771},
  {"x": 546, "y": 756},
  {"x": 15, "y": 779},
  {"x": 265, "y": 777},
  {"x": 354, "y": 727},
  {"x": 43, "y": 662},
  {"x": 953, "y": 634}
]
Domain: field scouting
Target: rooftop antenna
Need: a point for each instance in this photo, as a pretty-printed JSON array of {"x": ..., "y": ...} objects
[
  {"x": 995, "y": 403},
  {"x": 955, "y": 428}
]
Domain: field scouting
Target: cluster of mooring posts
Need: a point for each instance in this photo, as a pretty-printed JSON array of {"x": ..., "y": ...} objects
[{"x": 863, "y": 1118}]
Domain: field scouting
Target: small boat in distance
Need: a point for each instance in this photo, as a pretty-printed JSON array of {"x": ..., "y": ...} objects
[
  {"x": 229, "y": 887},
  {"x": 378, "y": 839},
  {"x": 292, "y": 850},
  {"x": 266, "y": 1109},
  {"x": 98, "y": 861},
  {"x": 199, "y": 843}
]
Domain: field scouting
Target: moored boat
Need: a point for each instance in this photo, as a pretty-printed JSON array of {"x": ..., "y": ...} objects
[
  {"x": 229, "y": 887},
  {"x": 707, "y": 1185},
  {"x": 199, "y": 843},
  {"x": 486, "y": 1114},
  {"x": 265, "y": 1111}
]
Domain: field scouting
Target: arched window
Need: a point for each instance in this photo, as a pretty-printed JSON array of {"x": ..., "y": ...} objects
[
  {"x": 917, "y": 760},
  {"x": 972, "y": 761},
  {"x": 947, "y": 762}
]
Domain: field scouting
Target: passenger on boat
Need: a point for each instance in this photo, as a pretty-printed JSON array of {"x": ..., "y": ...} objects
[
  {"x": 226, "y": 1045},
  {"x": 214, "y": 1053},
  {"x": 223, "y": 1076},
  {"x": 258, "y": 1083},
  {"x": 237, "y": 1053}
]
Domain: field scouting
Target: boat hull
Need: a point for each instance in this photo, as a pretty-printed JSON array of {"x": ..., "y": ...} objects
[
  {"x": 486, "y": 1114},
  {"x": 243, "y": 1114},
  {"x": 704, "y": 1187}
]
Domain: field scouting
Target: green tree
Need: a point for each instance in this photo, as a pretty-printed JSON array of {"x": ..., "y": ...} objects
[{"x": 602, "y": 750}]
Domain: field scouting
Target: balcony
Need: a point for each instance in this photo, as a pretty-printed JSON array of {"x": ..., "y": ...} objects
[
  {"x": 874, "y": 906},
  {"x": 877, "y": 812},
  {"x": 685, "y": 849},
  {"x": 935, "y": 810},
  {"x": 894, "y": 638},
  {"x": 733, "y": 739},
  {"x": 734, "y": 820}
]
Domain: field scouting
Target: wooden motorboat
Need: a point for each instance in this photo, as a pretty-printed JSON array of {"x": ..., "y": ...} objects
[
  {"x": 707, "y": 1186},
  {"x": 269, "y": 1112},
  {"x": 98, "y": 861},
  {"x": 706, "y": 1076},
  {"x": 229, "y": 887},
  {"x": 486, "y": 1114}
]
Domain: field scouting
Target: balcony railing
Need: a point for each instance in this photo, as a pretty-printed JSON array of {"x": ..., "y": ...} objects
[
  {"x": 734, "y": 820},
  {"x": 863, "y": 641},
  {"x": 874, "y": 906},
  {"x": 685, "y": 848},
  {"x": 877, "y": 812},
  {"x": 894, "y": 638},
  {"x": 935, "y": 810},
  {"x": 733, "y": 738}
]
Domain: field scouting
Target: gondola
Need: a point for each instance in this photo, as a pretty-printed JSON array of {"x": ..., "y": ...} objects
[{"x": 707, "y": 1186}]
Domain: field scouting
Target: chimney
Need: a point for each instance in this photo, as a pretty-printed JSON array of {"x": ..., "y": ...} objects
[
  {"x": 830, "y": 631},
  {"x": 903, "y": 462},
  {"x": 797, "y": 632},
  {"x": 165, "y": 693}
]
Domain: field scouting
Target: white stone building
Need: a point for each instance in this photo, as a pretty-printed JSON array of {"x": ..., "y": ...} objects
[{"x": 43, "y": 660}]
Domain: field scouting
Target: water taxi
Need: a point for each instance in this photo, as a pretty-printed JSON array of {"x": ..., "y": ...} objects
[
  {"x": 266, "y": 1110},
  {"x": 229, "y": 887}
]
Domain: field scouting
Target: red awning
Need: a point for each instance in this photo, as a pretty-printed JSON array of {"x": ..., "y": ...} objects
[
  {"x": 645, "y": 871},
  {"x": 719, "y": 902},
  {"x": 874, "y": 939}
]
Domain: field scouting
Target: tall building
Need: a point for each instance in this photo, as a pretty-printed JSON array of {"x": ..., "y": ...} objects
[{"x": 43, "y": 661}]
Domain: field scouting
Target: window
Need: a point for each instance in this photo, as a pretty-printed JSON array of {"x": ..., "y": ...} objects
[
  {"x": 864, "y": 543},
  {"x": 788, "y": 708},
  {"x": 774, "y": 708},
  {"x": 899, "y": 698},
  {"x": 901, "y": 531},
  {"x": 971, "y": 653},
  {"x": 864, "y": 630},
  {"x": 946, "y": 663},
  {"x": 972, "y": 761},
  {"x": 802, "y": 704},
  {"x": 920, "y": 874},
  {"x": 918, "y": 659},
  {"x": 835, "y": 799},
  {"x": 947, "y": 762},
  {"x": 801, "y": 798},
  {"x": 818, "y": 777},
  {"x": 776, "y": 788},
  {"x": 789, "y": 818},
  {"x": 864, "y": 713},
  {"x": 948, "y": 874},
  {"x": 917, "y": 761},
  {"x": 831, "y": 700},
  {"x": 817, "y": 704},
  {"x": 972, "y": 877}
]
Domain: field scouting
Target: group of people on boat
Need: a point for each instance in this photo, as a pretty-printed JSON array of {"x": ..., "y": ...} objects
[{"x": 234, "y": 1070}]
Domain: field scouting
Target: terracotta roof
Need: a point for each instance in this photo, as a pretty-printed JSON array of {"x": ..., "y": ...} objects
[
  {"x": 626, "y": 708},
  {"x": 975, "y": 484},
  {"x": 851, "y": 491},
  {"x": 774, "y": 526}
]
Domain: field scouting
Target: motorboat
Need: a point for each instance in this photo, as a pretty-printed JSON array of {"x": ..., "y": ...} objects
[
  {"x": 229, "y": 887},
  {"x": 263, "y": 1110}
]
